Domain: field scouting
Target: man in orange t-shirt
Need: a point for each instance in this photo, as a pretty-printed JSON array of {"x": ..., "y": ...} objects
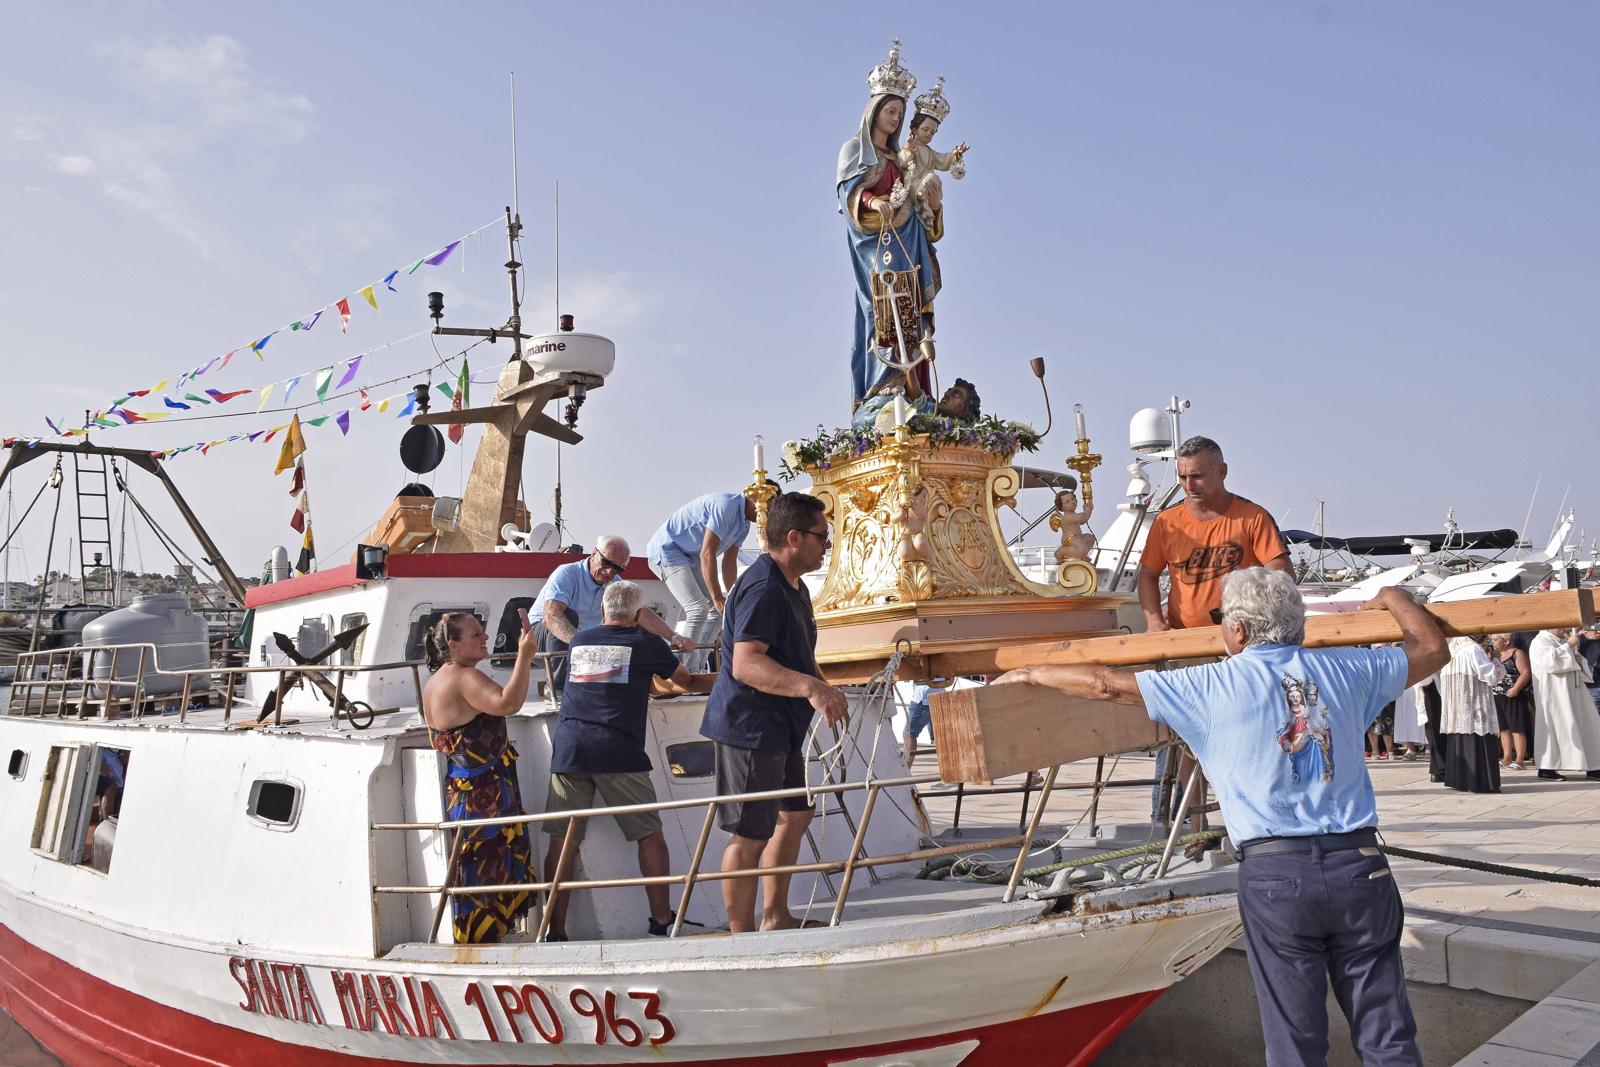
[{"x": 1209, "y": 536}]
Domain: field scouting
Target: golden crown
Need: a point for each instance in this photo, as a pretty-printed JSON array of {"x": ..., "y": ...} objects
[{"x": 890, "y": 78}]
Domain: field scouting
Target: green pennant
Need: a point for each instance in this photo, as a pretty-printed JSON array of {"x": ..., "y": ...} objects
[
  {"x": 324, "y": 379},
  {"x": 196, "y": 399},
  {"x": 444, "y": 387},
  {"x": 319, "y": 420}
]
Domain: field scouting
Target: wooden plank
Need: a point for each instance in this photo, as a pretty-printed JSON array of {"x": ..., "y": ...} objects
[
  {"x": 989, "y": 732},
  {"x": 1507, "y": 614}
]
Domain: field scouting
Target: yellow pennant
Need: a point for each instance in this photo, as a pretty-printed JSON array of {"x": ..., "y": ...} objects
[
  {"x": 371, "y": 297},
  {"x": 266, "y": 391}
]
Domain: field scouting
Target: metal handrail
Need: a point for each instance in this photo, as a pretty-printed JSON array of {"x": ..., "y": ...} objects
[{"x": 83, "y": 684}]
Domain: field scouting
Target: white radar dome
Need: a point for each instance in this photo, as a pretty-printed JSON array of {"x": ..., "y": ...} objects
[
  {"x": 588, "y": 353},
  {"x": 1149, "y": 431}
]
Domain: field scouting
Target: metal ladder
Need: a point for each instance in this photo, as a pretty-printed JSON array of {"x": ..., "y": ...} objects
[{"x": 96, "y": 570}]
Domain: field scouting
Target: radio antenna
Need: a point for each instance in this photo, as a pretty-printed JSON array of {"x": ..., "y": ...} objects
[
  {"x": 558, "y": 254},
  {"x": 516, "y": 185}
]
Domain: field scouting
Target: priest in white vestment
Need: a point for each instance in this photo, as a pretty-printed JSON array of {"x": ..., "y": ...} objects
[{"x": 1567, "y": 728}]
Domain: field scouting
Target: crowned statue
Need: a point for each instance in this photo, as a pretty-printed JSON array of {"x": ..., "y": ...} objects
[{"x": 893, "y": 203}]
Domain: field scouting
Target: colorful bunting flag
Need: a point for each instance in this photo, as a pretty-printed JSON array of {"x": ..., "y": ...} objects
[
  {"x": 52, "y": 424},
  {"x": 411, "y": 405},
  {"x": 324, "y": 378},
  {"x": 222, "y": 398},
  {"x": 344, "y": 315},
  {"x": 261, "y": 344},
  {"x": 171, "y": 403},
  {"x": 350, "y": 369},
  {"x": 266, "y": 391},
  {"x": 128, "y": 417},
  {"x": 288, "y": 387},
  {"x": 196, "y": 399},
  {"x": 387, "y": 278},
  {"x": 342, "y": 420},
  {"x": 308, "y": 552},
  {"x": 366, "y": 401},
  {"x": 443, "y": 254},
  {"x": 294, "y": 443},
  {"x": 457, "y": 402},
  {"x": 298, "y": 482},
  {"x": 372, "y": 297}
]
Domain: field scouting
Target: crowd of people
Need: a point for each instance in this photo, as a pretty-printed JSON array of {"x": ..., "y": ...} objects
[
  {"x": 1279, "y": 729},
  {"x": 611, "y": 648},
  {"x": 1512, "y": 702}
]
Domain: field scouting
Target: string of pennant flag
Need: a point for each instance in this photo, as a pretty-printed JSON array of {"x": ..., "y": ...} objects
[
  {"x": 404, "y": 403},
  {"x": 189, "y": 394},
  {"x": 335, "y": 376}
]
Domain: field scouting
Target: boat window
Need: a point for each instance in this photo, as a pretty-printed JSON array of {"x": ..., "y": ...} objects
[
  {"x": 314, "y": 635},
  {"x": 17, "y": 766},
  {"x": 692, "y": 759},
  {"x": 427, "y": 615},
  {"x": 509, "y": 632},
  {"x": 351, "y": 656},
  {"x": 80, "y": 804},
  {"x": 274, "y": 803}
]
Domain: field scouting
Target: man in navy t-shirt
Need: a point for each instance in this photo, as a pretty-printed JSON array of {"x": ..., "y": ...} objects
[
  {"x": 1278, "y": 728},
  {"x": 599, "y": 741},
  {"x": 761, "y": 705}
]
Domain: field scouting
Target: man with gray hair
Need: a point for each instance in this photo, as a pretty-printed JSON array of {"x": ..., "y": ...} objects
[
  {"x": 1279, "y": 727},
  {"x": 598, "y": 745},
  {"x": 569, "y": 601},
  {"x": 1199, "y": 543}
]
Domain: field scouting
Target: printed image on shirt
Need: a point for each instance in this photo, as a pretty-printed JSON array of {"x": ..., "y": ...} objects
[
  {"x": 1305, "y": 735},
  {"x": 606, "y": 664},
  {"x": 1207, "y": 563}
]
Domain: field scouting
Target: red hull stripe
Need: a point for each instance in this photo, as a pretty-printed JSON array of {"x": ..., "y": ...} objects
[
  {"x": 523, "y": 565},
  {"x": 89, "y": 1023}
]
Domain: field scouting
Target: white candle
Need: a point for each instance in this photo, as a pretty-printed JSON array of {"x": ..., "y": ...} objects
[
  {"x": 761, "y": 454},
  {"x": 1077, "y": 411},
  {"x": 899, "y": 409}
]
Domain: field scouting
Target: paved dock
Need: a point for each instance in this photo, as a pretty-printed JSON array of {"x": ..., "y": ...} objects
[{"x": 1520, "y": 940}]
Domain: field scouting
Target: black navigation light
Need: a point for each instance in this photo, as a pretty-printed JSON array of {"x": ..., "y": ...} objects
[
  {"x": 436, "y": 306},
  {"x": 419, "y": 392}
]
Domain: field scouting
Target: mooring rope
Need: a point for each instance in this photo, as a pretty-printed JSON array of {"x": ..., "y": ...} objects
[{"x": 1490, "y": 868}]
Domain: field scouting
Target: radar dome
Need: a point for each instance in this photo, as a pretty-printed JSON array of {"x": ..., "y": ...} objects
[{"x": 1149, "y": 431}]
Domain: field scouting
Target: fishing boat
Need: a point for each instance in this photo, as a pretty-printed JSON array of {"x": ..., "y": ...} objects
[{"x": 250, "y": 862}]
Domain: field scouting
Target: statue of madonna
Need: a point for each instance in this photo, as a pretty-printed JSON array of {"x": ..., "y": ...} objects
[{"x": 869, "y": 172}]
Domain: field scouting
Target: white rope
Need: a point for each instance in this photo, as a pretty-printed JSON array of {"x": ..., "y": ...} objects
[{"x": 879, "y": 691}]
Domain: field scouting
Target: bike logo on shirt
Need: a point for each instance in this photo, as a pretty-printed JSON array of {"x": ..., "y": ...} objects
[{"x": 1210, "y": 562}]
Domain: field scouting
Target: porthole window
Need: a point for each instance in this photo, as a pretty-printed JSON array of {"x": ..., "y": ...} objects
[
  {"x": 275, "y": 803},
  {"x": 17, "y": 765},
  {"x": 692, "y": 759}
]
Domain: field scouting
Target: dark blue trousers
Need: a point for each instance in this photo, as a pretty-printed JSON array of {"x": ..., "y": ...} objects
[{"x": 1312, "y": 916}]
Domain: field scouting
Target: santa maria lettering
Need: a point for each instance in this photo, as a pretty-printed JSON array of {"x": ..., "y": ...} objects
[{"x": 411, "y": 1007}]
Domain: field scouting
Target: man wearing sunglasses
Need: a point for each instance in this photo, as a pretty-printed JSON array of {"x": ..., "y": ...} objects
[
  {"x": 571, "y": 601},
  {"x": 768, "y": 688}
]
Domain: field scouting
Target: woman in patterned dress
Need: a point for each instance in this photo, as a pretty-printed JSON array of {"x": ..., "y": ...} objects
[{"x": 466, "y": 715}]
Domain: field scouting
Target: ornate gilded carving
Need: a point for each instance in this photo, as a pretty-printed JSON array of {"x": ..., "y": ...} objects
[{"x": 913, "y": 524}]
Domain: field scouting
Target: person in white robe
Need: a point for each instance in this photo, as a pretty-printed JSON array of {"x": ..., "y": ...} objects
[
  {"x": 1469, "y": 727},
  {"x": 1567, "y": 728},
  {"x": 1410, "y": 717}
]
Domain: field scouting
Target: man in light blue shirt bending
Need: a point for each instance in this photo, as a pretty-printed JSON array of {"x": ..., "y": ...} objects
[
  {"x": 1278, "y": 728},
  {"x": 685, "y": 552}
]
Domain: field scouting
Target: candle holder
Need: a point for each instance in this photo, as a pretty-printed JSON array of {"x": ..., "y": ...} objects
[{"x": 762, "y": 492}]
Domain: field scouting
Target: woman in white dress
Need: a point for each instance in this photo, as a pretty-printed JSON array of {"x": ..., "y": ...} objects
[
  {"x": 1468, "y": 727},
  {"x": 1409, "y": 717},
  {"x": 1566, "y": 731}
]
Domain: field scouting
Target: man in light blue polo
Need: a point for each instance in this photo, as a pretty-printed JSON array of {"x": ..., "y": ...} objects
[
  {"x": 685, "y": 552},
  {"x": 1278, "y": 728},
  {"x": 570, "y": 600}
]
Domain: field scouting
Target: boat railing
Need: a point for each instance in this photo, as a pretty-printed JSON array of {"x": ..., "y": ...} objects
[
  {"x": 85, "y": 681},
  {"x": 856, "y": 860}
]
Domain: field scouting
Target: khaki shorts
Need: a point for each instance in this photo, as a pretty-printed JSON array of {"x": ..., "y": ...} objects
[{"x": 575, "y": 792}]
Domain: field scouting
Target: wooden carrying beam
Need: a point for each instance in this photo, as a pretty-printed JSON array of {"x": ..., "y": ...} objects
[
  {"x": 988, "y": 732},
  {"x": 1472, "y": 618}
]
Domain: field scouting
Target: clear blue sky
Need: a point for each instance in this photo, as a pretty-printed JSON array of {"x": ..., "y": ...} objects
[{"x": 1361, "y": 238}]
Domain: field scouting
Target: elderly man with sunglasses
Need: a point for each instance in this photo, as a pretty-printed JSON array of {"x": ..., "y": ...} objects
[{"x": 571, "y": 601}]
